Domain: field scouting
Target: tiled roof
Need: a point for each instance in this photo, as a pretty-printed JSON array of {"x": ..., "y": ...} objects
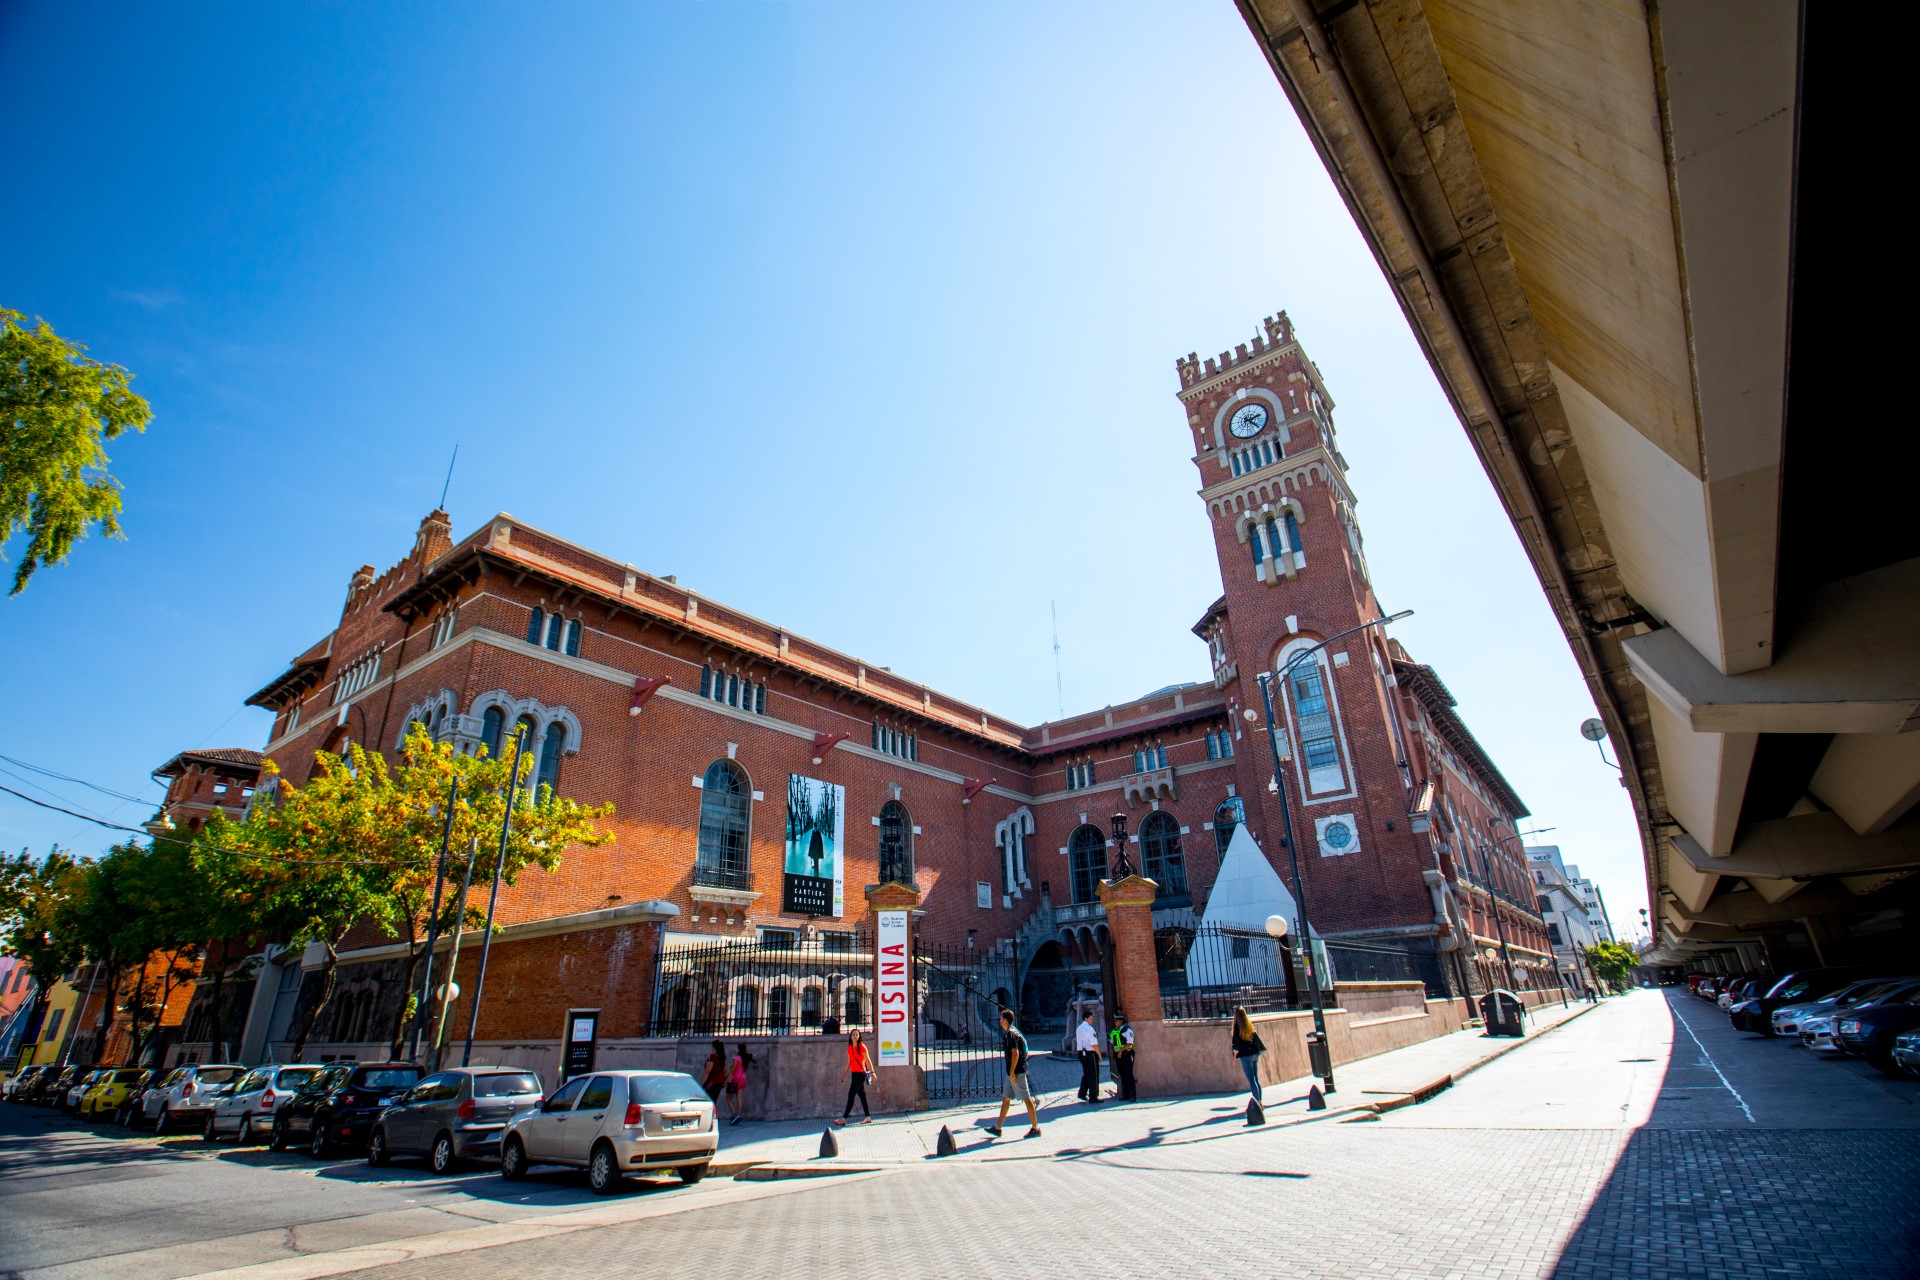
[{"x": 234, "y": 757}]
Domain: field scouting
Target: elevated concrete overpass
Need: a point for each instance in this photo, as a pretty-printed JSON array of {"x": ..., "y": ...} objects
[{"x": 1601, "y": 218}]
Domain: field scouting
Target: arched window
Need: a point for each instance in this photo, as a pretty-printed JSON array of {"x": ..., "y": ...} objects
[
  {"x": 536, "y": 625},
  {"x": 779, "y": 1009},
  {"x": 550, "y": 749},
  {"x": 1226, "y": 819},
  {"x": 1313, "y": 711},
  {"x": 896, "y": 844},
  {"x": 746, "y": 1005},
  {"x": 1160, "y": 853},
  {"x": 492, "y": 725},
  {"x": 1293, "y": 533},
  {"x": 1087, "y": 860},
  {"x": 810, "y": 1007},
  {"x": 856, "y": 1012},
  {"x": 524, "y": 725},
  {"x": 721, "y": 862},
  {"x": 573, "y": 639}
]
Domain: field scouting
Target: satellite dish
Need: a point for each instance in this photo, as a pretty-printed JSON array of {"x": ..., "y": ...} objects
[{"x": 1593, "y": 730}]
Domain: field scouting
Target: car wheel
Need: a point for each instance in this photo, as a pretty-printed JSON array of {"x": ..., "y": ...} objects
[
  {"x": 513, "y": 1160},
  {"x": 212, "y": 1133},
  {"x": 603, "y": 1171},
  {"x": 692, "y": 1173},
  {"x": 164, "y": 1120},
  {"x": 245, "y": 1134},
  {"x": 277, "y": 1137},
  {"x": 377, "y": 1149},
  {"x": 441, "y": 1158},
  {"x": 1882, "y": 1061},
  {"x": 317, "y": 1139}
]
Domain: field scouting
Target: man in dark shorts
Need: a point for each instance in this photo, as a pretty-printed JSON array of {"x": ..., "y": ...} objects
[{"x": 1013, "y": 1047}]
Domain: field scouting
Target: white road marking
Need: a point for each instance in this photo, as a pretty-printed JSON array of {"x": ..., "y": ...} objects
[{"x": 1727, "y": 1084}]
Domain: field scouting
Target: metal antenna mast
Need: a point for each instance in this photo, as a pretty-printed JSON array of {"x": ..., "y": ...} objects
[
  {"x": 1059, "y": 689},
  {"x": 449, "y": 484}
]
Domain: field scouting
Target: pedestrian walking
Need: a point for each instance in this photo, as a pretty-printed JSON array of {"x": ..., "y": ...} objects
[
  {"x": 1013, "y": 1047},
  {"x": 713, "y": 1076},
  {"x": 1248, "y": 1047},
  {"x": 737, "y": 1083},
  {"x": 1120, "y": 1054},
  {"x": 1086, "y": 1043},
  {"x": 860, "y": 1073}
]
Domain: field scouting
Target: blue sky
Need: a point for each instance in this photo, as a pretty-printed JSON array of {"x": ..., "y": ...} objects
[{"x": 897, "y": 288}]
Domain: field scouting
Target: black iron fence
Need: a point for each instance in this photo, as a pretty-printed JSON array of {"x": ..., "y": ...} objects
[
  {"x": 1209, "y": 971},
  {"x": 958, "y": 996},
  {"x": 1385, "y": 962},
  {"x": 765, "y": 986}
]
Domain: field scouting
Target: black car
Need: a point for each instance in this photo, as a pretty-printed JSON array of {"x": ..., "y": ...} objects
[
  {"x": 1871, "y": 1029},
  {"x": 1755, "y": 1012},
  {"x": 338, "y": 1105},
  {"x": 50, "y": 1088}
]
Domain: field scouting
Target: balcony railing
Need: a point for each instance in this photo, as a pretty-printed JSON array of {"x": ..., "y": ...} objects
[{"x": 738, "y": 878}]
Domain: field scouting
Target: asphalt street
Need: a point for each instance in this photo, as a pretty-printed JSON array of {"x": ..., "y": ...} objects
[{"x": 1644, "y": 1140}]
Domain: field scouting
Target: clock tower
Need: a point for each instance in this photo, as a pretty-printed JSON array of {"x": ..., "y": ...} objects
[{"x": 1293, "y": 574}]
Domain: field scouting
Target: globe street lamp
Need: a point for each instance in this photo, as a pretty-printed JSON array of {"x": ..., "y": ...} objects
[{"x": 1286, "y": 833}]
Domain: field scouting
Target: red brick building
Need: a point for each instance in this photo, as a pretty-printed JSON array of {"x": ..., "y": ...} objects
[{"x": 693, "y": 718}]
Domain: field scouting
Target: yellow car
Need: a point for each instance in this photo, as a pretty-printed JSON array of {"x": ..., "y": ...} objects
[{"x": 105, "y": 1097}]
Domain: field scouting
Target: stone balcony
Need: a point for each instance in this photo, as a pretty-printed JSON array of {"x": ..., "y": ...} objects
[{"x": 1154, "y": 784}]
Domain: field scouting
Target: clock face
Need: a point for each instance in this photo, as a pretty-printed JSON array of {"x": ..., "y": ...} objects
[{"x": 1248, "y": 421}]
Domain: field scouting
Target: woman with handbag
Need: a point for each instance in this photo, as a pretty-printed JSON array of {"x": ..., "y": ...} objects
[
  {"x": 860, "y": 1073},
  {"x": 1248, "y": 1047}
]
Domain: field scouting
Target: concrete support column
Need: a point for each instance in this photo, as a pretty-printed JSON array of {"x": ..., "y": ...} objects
[{"x": 1136, "y": 962}]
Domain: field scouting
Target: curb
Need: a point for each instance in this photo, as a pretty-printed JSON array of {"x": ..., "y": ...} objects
[{"x": 782, "y": 1172}]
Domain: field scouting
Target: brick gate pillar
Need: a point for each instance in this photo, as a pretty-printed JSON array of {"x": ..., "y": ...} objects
[
  {"x": 898, "y": 1090},
  {"x": 1136, "y": 963}
]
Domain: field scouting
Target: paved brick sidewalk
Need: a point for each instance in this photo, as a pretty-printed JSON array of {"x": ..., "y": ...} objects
[{"x": 1070, "y": 1127}]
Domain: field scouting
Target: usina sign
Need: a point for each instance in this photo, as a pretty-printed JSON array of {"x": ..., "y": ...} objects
[{"x": 893, "y": 986}]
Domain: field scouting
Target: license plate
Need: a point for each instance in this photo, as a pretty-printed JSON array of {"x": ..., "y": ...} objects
[{"x": 681, "y": 1122}]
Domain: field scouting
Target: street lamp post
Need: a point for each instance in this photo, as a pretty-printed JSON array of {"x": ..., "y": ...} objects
[
  {"x": 1286, "y": 828},
  {"x": 1122, "y": 868}
]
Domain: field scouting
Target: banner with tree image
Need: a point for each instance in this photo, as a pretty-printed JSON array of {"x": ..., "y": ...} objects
[{"x": 815, "y": 882}]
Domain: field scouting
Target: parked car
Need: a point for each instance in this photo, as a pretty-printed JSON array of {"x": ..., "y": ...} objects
[
  {"x": 1754, "y": 1011},
  {"x": 250, "y": 1104},
  {"x": 106, "y": 1095},
  {"x": 1817, "y": 1032},
  {"x": 46, "y": 1089},
  {"x": 186, "y": 1094},
  {"x": 1906, "y": 1052},
  {"x": 21, "y": 1084},
  {"x": 1736, "y": 990},
  {"x": 613, "y": 1123},
  {"x": 1869, "y": 1030},
  {"x": 77, "y": 1088},
  {"x": 454, "y": 1115},
  {"x": 1786, "y": 1020},
  {"x": 340, "y": 1104}
]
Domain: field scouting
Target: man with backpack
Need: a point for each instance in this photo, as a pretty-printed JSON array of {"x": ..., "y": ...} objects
[{"x": 1013, "y": 1047}]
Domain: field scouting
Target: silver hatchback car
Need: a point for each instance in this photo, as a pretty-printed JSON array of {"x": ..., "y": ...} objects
[
  {"x": 613, "y": 1123},
  {"x": 245, "y": 1110},
  {"x": 187, "y": 1094},
  {"x": 453, "y": 1115}
]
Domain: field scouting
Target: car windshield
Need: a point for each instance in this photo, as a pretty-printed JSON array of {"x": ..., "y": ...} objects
[
  {"x": 295, "y": 1077},
  {"x": 126, "y": 1077},
  {"x": 388, "y": 1078},
  {"x": 507, "y": 1082},
  {"x": 657, "y": 1089},
  {"x": 221, "y": 1075}
]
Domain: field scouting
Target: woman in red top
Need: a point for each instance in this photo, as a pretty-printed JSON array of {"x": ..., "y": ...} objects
[{"x": 860, "y": 1070}]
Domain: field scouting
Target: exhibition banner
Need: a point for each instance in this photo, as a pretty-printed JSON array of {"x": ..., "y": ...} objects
[
  {"x": 893, "y": 990},
  {"x": 815, "y": 882}
]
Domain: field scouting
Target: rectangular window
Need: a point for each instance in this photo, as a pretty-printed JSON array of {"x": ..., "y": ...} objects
[
  {"x": 706, "y": 682},
  {"x": 1317, "y": 743},
  {"x": 1242, "y": 949},
  {"x": 779, "y": 939},
  {"x": 760, "y": 700}
]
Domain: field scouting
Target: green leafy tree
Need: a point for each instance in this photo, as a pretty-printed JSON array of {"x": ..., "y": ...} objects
[
  {"x": 1613, "y": 963},
  {"x": 57, "y": 407},
  {"x": 360, "y": 844}
]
